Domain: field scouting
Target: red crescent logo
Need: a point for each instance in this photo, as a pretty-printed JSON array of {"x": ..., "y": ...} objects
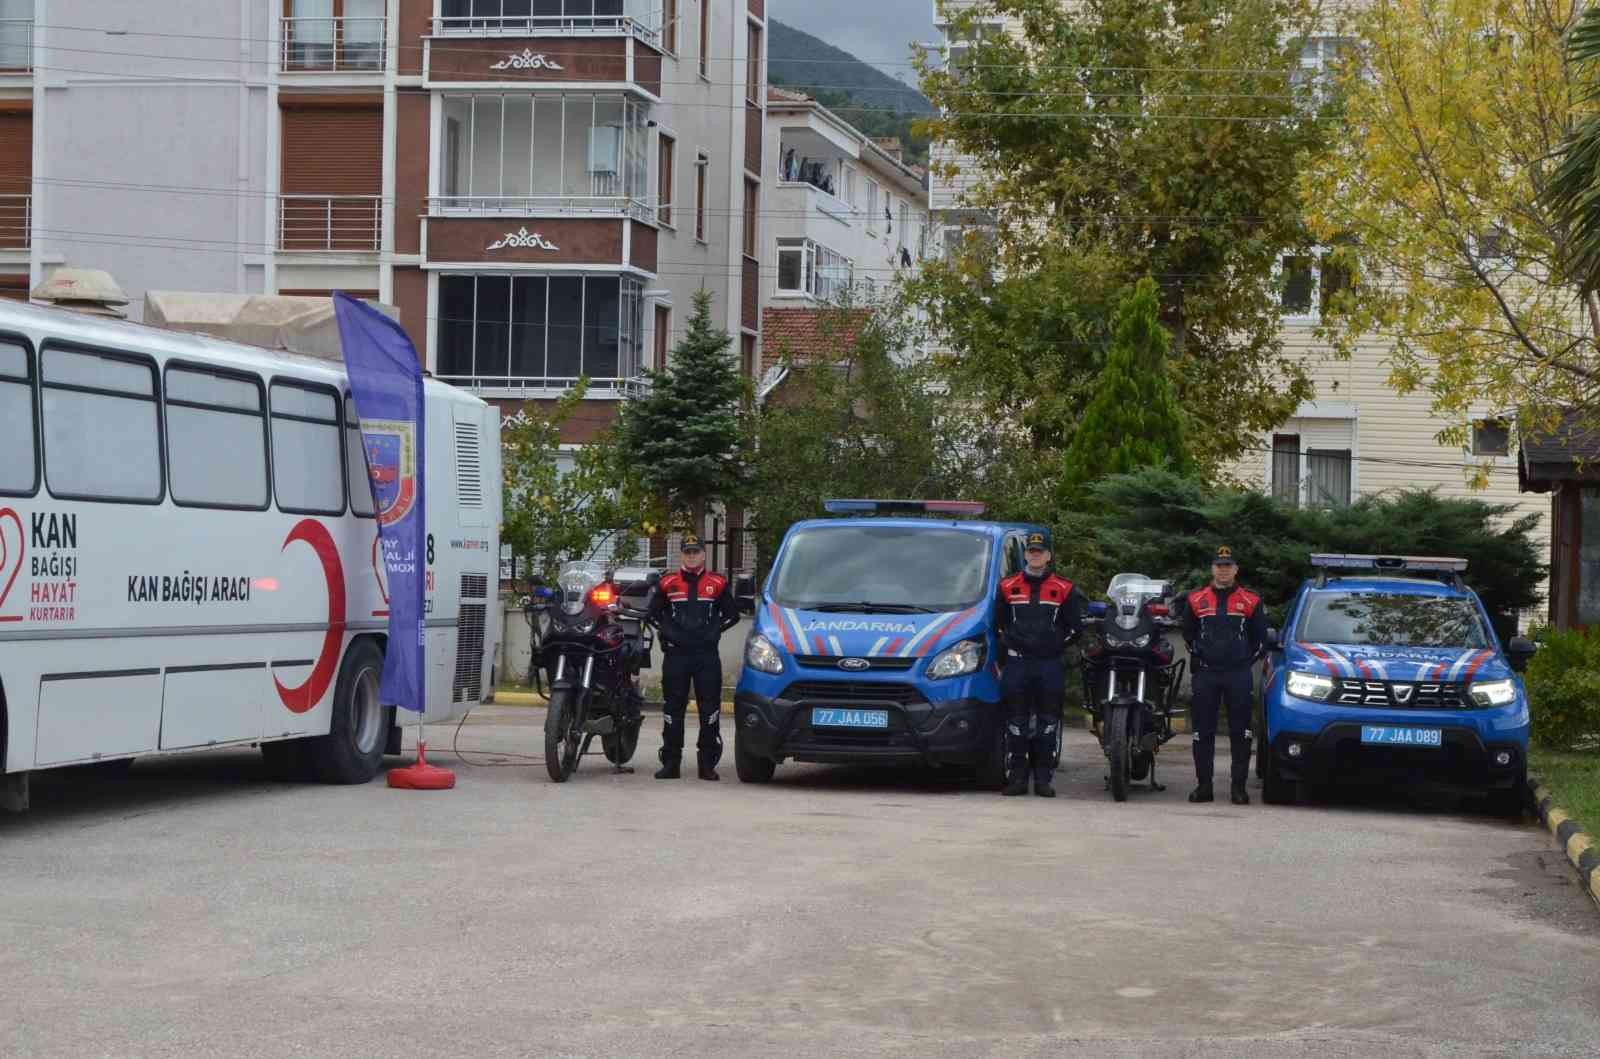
[
  {"x": 307, "y": 695},
  {"x": 22, "y": 548}
]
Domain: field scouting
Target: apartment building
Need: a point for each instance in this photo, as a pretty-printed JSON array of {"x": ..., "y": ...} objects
[
  {"x": 539, "y": 186},
  {"x": 846, "y": 217},
  {"x": 1357, "y": 436}
]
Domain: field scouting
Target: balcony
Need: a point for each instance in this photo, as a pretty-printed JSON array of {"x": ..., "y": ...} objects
[
  {"x": 16, "y": 222},
  {"x": 795, "y": 204},
  {"x": 351, "y": 224},
  {"x": 334, "y": 45},
  {"x": 550, "y": 18}
]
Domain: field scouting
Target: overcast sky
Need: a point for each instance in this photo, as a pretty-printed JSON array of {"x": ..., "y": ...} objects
[{"x": 876, "y": 31}]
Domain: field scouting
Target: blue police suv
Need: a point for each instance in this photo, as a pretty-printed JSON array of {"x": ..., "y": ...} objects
[
  {"x": 1388, "y": 666},
  {"x": 873, "y": 641}
]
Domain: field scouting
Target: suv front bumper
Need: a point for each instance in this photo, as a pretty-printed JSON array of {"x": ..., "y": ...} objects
[{"x": 1336, "y": 752}]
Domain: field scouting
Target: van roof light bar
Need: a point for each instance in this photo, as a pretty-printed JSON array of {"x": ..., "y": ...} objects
[
  {"x": 972, "y": 508},
  {"x": 1445, "y": 568}
]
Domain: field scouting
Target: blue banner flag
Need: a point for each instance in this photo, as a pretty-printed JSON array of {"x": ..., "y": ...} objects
[{"x": 386, "y": 384}]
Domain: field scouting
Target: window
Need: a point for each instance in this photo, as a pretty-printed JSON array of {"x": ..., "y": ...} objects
[
  {"x": 307, "y": 459},
  {"x": 905, "y": 222},
  {"x": 102, "y": 430},
  {"x": 752, "y": 195},
  {"x": 332, "y": 34},
  {"x": 669, "y": 26},
  {"x": 19, "y": 471},
  {"x": 847, "y": 184},
  {"x": 355, "y": 464},
  {"x": 666, "y": 149},
  {"x": 663, "y": 336},
  {"x": 16, "y": 34},
  {"x": 1492, "y": 245},
  {"x": 1286, "y": 467},
  {"x": 508, "y": 16},
  {"x": 701, "y": 165},
  {"x": 1491, "y": 437},
  {"x": 805, "y": 267},
  {"x": 753, "y": 82},
  {"x": 216, "y": 439},
  {"x": 515, "y": 151},
  {"x": 705, "y": 38},
  {"x": 540, "y": 331},
  {"x": 1328, "y": 477},
  {"x": 872, "y": 205},
  {"x": 1319, "y": 64},
  {"x": 747, "y": 355},
  {"x": 1299, "y": 284}
]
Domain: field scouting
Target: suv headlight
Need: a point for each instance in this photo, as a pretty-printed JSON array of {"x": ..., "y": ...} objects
[
  {"x": 965, "y": 657},
  {"x": 1310, "y": 686},
  {"x": 1493, "y": 692},
  {"x": 759, "y": 654}
]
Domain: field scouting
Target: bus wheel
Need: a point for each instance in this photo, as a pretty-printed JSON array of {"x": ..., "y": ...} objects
[{"x": 352, "y": 751}]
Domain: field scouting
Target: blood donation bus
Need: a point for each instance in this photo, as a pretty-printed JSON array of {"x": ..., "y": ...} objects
[{"x": 188, "y": 553}]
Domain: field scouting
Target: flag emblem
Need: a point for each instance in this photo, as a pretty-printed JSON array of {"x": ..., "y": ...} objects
[{"x": 392, "y": 465}]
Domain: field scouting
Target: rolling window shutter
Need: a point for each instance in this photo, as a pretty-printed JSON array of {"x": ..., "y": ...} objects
[
  {"x": 332, "y": 150},
  {"x": 16, "y": 154}
]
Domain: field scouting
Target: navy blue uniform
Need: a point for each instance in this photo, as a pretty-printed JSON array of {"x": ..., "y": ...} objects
[
  {"x": 1226, "y": 629},
  {"x": 692, "y": 608},
  {"x": 1035, "y": 616}
]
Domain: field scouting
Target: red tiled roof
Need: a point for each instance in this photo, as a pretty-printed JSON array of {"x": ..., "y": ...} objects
[
  {"x": 784, "y": 95},
  {"x": 809, "y": 334}
]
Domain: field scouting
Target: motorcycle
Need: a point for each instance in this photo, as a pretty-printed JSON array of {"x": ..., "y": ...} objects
[
  {"x": 592, "y": 645},
  {"x": 1130, "y": 679}
]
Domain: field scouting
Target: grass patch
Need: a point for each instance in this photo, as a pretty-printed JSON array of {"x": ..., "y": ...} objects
[{"x": 1574, "y": 780}]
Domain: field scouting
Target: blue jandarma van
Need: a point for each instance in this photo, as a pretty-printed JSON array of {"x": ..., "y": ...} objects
[{"x": 874, "y": 641}]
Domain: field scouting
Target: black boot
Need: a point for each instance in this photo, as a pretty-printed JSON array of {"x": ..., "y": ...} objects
[
  {"x": 1042, "y": 787},
  {"x": 1201, "y": 793},
  {"x": 1240, "y": 795},
  {"x": 670, "y": 766},
  {"x": 1016, "y": 783},
  {"x": 707, "y": 768}
]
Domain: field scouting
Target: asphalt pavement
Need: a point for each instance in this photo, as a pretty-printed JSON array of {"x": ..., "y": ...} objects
[{"x": 194, "y": 907}]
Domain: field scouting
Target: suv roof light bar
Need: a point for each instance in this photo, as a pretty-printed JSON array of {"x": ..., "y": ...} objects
[
  {"x": 904, "y": 507},
  {"x": 1445, "y": 568}
]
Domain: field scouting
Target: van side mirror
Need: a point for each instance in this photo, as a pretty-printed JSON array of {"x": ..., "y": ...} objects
[
  {"x": 1520, "y": 650},
  {"x": 744, "y": 593},
  {"x": 1274, "y": 639}
]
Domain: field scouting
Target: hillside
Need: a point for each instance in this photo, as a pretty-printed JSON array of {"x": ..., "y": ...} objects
[{"x": 863, "y": 95}]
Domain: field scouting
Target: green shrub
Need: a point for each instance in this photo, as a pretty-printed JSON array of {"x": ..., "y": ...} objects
[{"x": 1563, "y": 682}]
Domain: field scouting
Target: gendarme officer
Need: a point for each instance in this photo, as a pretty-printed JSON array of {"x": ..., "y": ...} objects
[
  {"x": 1225, "y": 626},
  {"x": 693, "y": 607},
  {"x": 1037, "y": 612}
]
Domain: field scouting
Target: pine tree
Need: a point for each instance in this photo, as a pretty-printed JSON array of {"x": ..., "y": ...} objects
[
  {"x": 1133, "y": 420},
  {"x": 687, "y": 437}
]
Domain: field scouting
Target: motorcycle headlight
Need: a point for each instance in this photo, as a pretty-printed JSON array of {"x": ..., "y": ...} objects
[
  {"x": 1310, "y": 686},
  {"x": 1143, "y": 640},
  {"x": 1493, "y": 692},
  {"x": 965, "y": 657},
  {"x": 573, "y": 604},
  {"x": 759, "y": 654}
]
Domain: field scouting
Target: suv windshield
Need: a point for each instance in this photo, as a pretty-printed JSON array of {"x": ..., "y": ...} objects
[
  {"x": 886, "y": 566},
  {"x": 1391, "y": 619}
]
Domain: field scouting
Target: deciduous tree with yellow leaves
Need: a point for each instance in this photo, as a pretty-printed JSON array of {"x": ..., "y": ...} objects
[{"x": 1433, "y": 200}]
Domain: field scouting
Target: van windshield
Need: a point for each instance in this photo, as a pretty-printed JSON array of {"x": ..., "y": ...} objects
[
  {"x": 1391, "y": 619},
  {"x": 865, "y": 568}
]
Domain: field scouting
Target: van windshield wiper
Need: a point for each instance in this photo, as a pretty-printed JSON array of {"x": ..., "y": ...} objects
[{"x": 867, "y": 607}]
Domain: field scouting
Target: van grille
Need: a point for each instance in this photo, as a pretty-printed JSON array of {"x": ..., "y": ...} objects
[
  {"x": 881, "y": 663},
  {"x": 837, "y": 691}
]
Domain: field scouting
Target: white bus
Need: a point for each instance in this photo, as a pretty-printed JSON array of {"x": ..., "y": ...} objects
[{"x": 188, "y": 554}]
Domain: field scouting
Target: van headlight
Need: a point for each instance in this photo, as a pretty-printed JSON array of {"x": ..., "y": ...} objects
[
  {"x": 1311, "y": 686},
  {"x": 965, "y": 657},
  {"x": 759, "y": 654},
  {"x": 1493, "y": 692}
]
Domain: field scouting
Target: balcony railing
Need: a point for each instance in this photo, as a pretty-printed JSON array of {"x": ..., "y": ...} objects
[
  {"x": 16, "y": 222},
  {"x": 323, "y": 223},
  {"x": 540, "y": 205},
  {"x": 578, "y": 18},
  {"x": 520, "y": 386},
  {"x": 16, "y": 45},
  {"x": 334, "y": 44}
]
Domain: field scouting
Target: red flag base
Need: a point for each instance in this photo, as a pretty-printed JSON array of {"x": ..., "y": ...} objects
[{"x": 422, "y": 776}]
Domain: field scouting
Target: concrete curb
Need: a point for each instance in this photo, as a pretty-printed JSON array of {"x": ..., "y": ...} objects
[{"x": 1581, "y": 850}]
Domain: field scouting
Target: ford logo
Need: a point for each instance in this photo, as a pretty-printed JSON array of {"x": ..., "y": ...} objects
[{"x": 856, "y": 664}]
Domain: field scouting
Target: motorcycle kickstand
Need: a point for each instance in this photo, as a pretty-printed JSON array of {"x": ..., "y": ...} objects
[{"x": 622, "y": 770}]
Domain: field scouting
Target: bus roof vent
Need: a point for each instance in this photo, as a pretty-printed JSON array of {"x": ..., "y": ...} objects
[{"x": 469, "y": 466}]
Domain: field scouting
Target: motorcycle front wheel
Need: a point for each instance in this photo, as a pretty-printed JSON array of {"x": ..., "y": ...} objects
[
  {"x": 1119, "y": 719},
  {"x": 560, "y": 735},
  {"x": 620, "y": 745}
]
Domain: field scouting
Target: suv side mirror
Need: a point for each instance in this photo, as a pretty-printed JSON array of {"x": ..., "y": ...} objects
[{"x": 1520, "y": 650}]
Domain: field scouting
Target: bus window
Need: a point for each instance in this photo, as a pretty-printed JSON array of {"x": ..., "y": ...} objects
[
  {"x": 355, "y": 461},
  {"x": 216, "y": 439},
  {"x": 19, "y": 476},
  {"x": 102, "y": 434},
  {"x": 307, "y": 460}
]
